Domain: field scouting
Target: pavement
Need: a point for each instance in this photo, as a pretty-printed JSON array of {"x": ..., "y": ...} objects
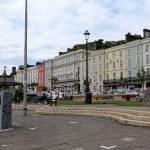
[{"x": 59, "y": 132}]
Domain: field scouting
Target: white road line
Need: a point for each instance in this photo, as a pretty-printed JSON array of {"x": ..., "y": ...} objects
[
  {"x": 127, "y": 139},
  {"x": 35, "y": 115},
  {"x": 105, "y": 147},
  {"x": 73, "y": 122},
  {"x": 4, "y": 130},
  {"x": 16, "y": 124},
  {"x": 34, "y": 128},
  {"x": 4, "y": 145}
]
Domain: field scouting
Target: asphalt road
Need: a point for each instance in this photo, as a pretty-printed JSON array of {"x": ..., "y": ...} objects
[{"x": 55, "y": 132}]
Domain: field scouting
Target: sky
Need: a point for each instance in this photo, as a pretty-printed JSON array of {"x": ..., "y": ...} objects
[{"x": 54, "y": 26}]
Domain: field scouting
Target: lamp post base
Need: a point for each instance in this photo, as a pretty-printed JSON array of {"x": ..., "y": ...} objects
[{"x": 88, "y": 98}]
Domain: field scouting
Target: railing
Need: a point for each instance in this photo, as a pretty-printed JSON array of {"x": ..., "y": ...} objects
[
  {"x": 128, "y": 79},
  {"x": 67, "y": 80}
]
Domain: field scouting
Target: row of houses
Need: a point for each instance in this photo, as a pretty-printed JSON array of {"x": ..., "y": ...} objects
[{"x": 119, "y": 67}]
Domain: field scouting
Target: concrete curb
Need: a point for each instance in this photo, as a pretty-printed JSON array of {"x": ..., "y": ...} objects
[{"x": 124, "y": 116}]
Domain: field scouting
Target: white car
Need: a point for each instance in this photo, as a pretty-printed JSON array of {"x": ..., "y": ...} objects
[{"x": 131, "y": 92}]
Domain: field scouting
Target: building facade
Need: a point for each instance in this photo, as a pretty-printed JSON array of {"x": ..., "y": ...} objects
[{"x": 49, "y": 74}]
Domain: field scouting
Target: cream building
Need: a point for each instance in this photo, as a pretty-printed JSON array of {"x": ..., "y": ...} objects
[
  {"x": 69, "y": 68},
  {"x": 19, "y": 76},
  {"x": 97, "y": 71}
]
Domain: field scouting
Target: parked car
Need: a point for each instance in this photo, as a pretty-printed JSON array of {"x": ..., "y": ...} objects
[{"x": 131, "y": 92}]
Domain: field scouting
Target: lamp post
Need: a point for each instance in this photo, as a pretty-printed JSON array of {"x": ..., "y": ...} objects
[
  {"x": 5, "y": 77},
  {"x": 78, "y": 81},
  {"x": 88, "y": 99},
  {"x": 25, "y": 65}
]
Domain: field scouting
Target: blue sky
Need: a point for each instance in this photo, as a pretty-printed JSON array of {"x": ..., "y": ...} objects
[{"x": 56, "y": 25}]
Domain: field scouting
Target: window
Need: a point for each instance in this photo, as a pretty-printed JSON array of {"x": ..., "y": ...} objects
[
  {"x": 138, "y": 60},
  {"x": 94, "y": 78},
  {"x": 121, "y": 74},
  {"x": 100, "y": 77},
  {"x": 100, "y": 66},
  {"x": 129, "y": 73},
  {"x": 83, "y": 70},
  {"x": 99, "y": 57},
  {"x": 129, "y": 62},
  {"x": 120, "y": 53},
  {"x": 93, "y": 59},
  {"x": 113, "y": 54},
  {"x": 121, "y": 64},
  {"x": 138, "y": 50},
  {"x": 147, "y": 59},
  {"x": 148, "y": 71},
  {"x": 107, "y": 66},
  {"x": 114, "y": 75},
  {"x": 107, "y": 56},
  {"x": 128, "y": 51},
  {"x": 93, "y": 68},
  {"x": 107, "y": 76},
  {"x": 147, "y": 47},
  {"x": 114, "y": 64}
]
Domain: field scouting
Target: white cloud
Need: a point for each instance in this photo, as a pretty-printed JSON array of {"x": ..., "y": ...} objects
[{"x": 54, "y": 26}]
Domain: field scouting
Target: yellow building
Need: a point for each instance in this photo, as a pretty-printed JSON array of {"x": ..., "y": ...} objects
[{"x": 114, "y": 69}]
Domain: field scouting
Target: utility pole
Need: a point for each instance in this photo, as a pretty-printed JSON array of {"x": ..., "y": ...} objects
[{"x": 25, "y": 64}]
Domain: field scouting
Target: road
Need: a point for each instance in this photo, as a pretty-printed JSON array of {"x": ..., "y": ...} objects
[{"x": 55, "y": 132}]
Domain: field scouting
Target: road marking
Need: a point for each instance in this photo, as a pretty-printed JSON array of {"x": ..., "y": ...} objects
[
  {"x": 127, "y": 139},
  {"x": 34, "y": 128},
  {"x": 105, "y": 147},
  {"x": 4, "y": 130},
  {"x": 74, "y": 122},
  {"x": 4, "y": 145},
  {"x": 78, "y": 149},
  {"x": 35, "y": 115},
  {"x": 16, "y": 124}
]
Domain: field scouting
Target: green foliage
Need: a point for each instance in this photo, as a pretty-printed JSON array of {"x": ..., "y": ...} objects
[
  {"x": 19, "y": 94},
  {"x": 114, "y": 102},
  {"x": 78, "y": 46},
  {"x": 84, "y": 82},
  {"x": 54, "y": 79},
  {"x": 100, "y": 44},
  {"x": 44, "y": 88},
  {"x": 34, "y": 84},
  {"x": 141, "y": 74}
]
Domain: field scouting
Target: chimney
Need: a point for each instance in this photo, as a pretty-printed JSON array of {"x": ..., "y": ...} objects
[
  {"x": 129, "y": 37},
  {"x": 146, "y": 33},
  {"x": 13, "y": 70}
]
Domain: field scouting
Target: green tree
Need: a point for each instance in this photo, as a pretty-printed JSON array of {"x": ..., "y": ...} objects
[
  {"x": 44, "y": 88},
  {"x": 142, "y": 76},
  {"x": 18, "y": 94},
  {"x": 54, "y": 79}
]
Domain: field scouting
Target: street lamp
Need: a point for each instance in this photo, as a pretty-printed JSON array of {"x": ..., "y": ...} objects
[
  {"x": 5, "y": 77},
  {"x": 88, "y": 99},
  {"x": 25, "y": 65}
]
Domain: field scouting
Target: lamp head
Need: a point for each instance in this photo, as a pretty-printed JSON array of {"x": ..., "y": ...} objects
[{"x": 86, "y": 34}]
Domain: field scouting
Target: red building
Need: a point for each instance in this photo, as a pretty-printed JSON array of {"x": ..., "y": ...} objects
[{"x": 41, "y": 75}]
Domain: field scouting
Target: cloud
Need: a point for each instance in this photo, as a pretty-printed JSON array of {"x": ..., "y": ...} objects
[{"x": 54, "y": 26}]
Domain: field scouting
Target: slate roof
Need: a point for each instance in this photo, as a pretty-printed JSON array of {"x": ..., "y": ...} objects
[{"x": 7, "y": 80}]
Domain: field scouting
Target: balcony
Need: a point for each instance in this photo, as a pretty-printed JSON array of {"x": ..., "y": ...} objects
[{"x": 67, "y": 80}]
